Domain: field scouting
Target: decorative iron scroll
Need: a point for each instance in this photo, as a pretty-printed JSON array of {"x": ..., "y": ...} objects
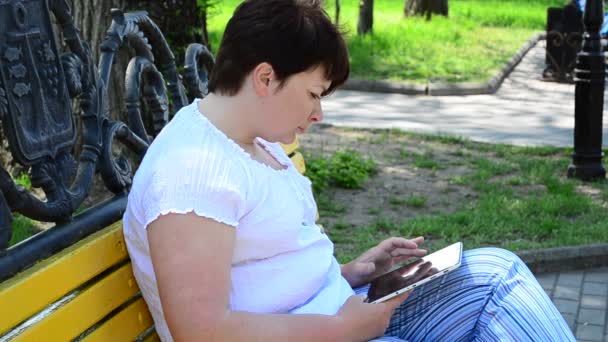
[
  {"x": 38, "y": 85},
  {"x": 561, "y": 55},
  {"x": 564, "y": 39}
]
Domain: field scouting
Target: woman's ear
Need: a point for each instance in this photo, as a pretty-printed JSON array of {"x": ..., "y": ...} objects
[{"x": 263, "y": 75}]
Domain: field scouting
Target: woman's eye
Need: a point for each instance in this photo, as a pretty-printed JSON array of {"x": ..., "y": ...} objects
[{"x": 315, "y": 96}]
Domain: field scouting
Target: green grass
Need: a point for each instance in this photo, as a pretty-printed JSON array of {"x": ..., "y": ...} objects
[
  {"x": 24, "y": 180},
  {"x": 522, "y": 201},
  {"x": 471, "y": 45},
  {"x": 22, "y": 226},
  {"x": 425, "y": 161},
  {"x": 374, "y": 211},
  {"x": 396, "y": 201},
  {"x": 329, "y": 208},
  {"x": 416, "y": 201},
  {"x": 413, "y": 201},
  {"x": 554, "y": 218}
]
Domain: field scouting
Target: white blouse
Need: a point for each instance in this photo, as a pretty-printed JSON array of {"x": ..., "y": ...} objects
[{"x": 282, "y": 261}]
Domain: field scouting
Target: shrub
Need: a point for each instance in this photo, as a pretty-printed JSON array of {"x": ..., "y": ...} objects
[
  {"x": 317, "y": 170},
  {"x": 345, "y": 169},
  {"x": 348, "y": 169}
]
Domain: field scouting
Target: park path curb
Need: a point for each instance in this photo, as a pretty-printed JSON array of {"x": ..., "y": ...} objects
[
  {"x": 443, "y": 89},
  {"x": 565, "y": 258}
]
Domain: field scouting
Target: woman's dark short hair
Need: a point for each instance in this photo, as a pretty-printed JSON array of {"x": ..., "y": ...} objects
[{"x": 291, "y": 35}]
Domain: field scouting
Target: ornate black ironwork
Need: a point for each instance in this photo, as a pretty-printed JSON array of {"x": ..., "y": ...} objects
[
  {"x": 140, "y": 33},
  {"x": 36, "y": 109},
  {"x": 148, "y": 102},
  {"x": 199, "y": 62},
  {"x": 589, "y": 76},
  {"x": 37, "y": 86},
  {"x": 564, "y": 37}
]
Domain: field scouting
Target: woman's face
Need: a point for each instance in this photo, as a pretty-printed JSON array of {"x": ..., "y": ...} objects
[{"x": 290, "y": 110}]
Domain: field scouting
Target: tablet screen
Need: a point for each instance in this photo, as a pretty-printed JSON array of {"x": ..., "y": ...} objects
[{"x": 419, "y": 270}]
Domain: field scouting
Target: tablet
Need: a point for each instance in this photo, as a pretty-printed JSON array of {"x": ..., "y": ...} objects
[{"x": 414, "y": 274}]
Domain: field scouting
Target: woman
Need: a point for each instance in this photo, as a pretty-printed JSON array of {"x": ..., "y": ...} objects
[{"x": 221, "y": 227}]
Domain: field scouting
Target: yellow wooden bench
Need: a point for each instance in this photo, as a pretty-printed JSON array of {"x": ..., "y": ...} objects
[
  {"x": 87, "y": 292},
  {"x": 86, "y": 288}
]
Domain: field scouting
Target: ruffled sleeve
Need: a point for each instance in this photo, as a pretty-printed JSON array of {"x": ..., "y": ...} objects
[{"x": 203, "y": 180}]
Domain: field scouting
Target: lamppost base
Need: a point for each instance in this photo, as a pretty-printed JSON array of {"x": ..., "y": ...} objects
[{"x": 587, "y": 172}]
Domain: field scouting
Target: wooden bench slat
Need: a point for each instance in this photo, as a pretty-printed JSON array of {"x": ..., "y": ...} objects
[
  {"x": 290, "y": 148},
  {"x": 46, "y": 282},
  {"x": 152, "y": 338},
  {"x": 298, "y": 161},
  {"x": 125, "y": 326},
  {"x": 87, "y": 308}
]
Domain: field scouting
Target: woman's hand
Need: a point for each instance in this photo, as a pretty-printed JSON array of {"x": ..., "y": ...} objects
[
  {"x": 363, "y": 321},
  {"x": 380, "y": 259}
]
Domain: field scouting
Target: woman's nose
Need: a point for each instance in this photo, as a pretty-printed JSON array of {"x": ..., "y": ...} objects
[{"x": 317, "y": 114}]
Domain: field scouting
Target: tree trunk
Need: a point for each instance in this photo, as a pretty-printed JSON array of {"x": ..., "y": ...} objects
[
  {"x": 93, "y": 19},
  {"x": 181, "y": 21},
  {"x": 337, "y": 12},
  {"x": 366, "y": 16},
  {"x": 205, "y": 7},
  {"x": 426, "y": 8},
  {"x": 205, "y": 36}
]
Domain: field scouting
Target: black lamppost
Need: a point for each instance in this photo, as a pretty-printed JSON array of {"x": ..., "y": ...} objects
[{"x": 589, "y": 76}]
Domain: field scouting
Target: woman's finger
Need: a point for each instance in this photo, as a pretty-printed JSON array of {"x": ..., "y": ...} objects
[
  {"x": 418, "y": 240},
  {"x": 397, "y": 300},
  {"x": 410, "y": 252},
  {"x": 402, "y": 258},
  {"x": 397, "y": 242},
  {"x": 406, "y": 243}
]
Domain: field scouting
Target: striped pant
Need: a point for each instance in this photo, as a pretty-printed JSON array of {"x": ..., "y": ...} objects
[{"x": 492, "y": 296}]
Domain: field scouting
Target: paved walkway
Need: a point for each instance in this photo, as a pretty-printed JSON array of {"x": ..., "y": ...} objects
[
  {"x": 582, "y": 297},
  {"x": 524, "y": 111}
]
